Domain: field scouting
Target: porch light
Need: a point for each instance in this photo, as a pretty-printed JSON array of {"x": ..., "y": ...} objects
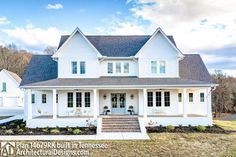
[
  {"x": 104, "y": 96},
  {"x": 131, "y": 96}
]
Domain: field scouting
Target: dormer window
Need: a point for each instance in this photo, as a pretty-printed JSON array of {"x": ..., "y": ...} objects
[
  {"x": 154, "y": 67},
  {"x": 162, "y": 67},
  {"x": 126, "y": 67},
  {"x": 109, "y": 68},
  {"x": 74, "y": 67},
  {"x": 4, "y": 87},
  {"x": 118, "y": 67}
]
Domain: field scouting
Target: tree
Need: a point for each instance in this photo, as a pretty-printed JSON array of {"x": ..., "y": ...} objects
[{"x": 50, "y": 50}]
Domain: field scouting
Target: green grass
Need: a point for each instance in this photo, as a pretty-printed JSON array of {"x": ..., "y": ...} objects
[{"x": 227, "y": 125}]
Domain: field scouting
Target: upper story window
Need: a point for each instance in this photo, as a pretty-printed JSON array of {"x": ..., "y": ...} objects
[
  {"x": 44, "y": 98},
  {"x": 154, "y": 67},
  {"x": 126, "y": 67},
  {"x": 82, "y": 67},
  {"x": 118, "y": 67},
  {"x": 162, "y": 67},
  {"x": 202, "y": 97},
  {"x": 190, "y": 97},
  {"x": 74, "y": 67},
  {"x": 4, "y": 87},
  {"x": 109, "y": 68}
]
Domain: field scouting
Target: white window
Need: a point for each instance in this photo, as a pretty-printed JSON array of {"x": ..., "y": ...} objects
[
  {"x": 202, "y": 97},
  {"x": 69, "y": 99},
  {"x": 87, "y": 99},
  {"x": 126, "y": 67},
  {"x": 167, "y": 98},
  {"x": 109, "y": 68},
  {"x": 153, "y": 67},
  {"x": 180, "y": 97},
  {"x": 158, "y": 99},
  {"x": 74, "y": 67},
  {"x": 162, "y": 67},
  {"x": 32, "y": 98},
  {"x": 118, "y": 67},
  {"x": 150, "y": 99},
  {"x": 82, "y": 67},
  {"x": 4, "y": 87}
]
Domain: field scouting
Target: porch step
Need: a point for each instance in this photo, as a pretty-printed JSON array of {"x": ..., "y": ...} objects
[{"x": 120, "y": 124}]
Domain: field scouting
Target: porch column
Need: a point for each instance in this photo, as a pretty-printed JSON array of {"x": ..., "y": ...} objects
[
  {"x": 144, "y": 102},
  {"x": 95, "y": 104},
  {"x": 185, "y": 102},
  {"x": 29, "y": 104},
  {"x": 54, "y": 103},
  {"x": 208, "y": 102}
]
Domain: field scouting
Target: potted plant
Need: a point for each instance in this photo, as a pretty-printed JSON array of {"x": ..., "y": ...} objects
[{"x": 105, "y": 110}]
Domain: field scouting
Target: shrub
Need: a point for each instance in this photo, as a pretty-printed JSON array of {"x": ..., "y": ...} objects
[
  {"x": 9, "y": 131},
  {"x": 160, "y": 126},
  {"x": 180, "y": 126},
  {"x": 12, "y": 124},
  {"x": 55, "y": 130},
  {"x": 69, "y": 129},
  {"x": 76, "y": 131},
  {"x": 3, "y": 127},
  {"x": 20, "y": 130},
  {"x": 189, "y": 126},
  {"x": 18, "y": 127},
  {"x": 45, "y": 130},
  {"x": 22, "y": 125},
  {"x": 201, "y": 128},
  {"x": 170, "y": 127}
]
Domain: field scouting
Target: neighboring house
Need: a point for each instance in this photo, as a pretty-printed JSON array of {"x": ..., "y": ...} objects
[
  {"x": 147, "y": 76},
  {"x": 11, "y": 97}
]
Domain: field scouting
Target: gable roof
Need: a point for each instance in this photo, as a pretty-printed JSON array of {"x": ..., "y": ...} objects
[
  {"x": 116, "y": 46},
  {"x": 44, "y": 68},
  {"x": 13, "y": 75}
]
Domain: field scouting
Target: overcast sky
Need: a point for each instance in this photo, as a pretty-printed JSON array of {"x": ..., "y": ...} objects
[{"x": 207, "y": 27}]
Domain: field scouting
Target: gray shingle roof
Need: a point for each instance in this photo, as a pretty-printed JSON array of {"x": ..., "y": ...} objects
[
  {"x": 43, "y": 68},
  {"x": 116, "y": 46}
]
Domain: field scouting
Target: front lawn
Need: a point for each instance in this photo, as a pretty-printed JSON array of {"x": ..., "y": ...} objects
[{"x": 227, "y": 125}]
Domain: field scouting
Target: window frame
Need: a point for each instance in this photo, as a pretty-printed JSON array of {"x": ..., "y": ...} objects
[
  {"x": 82, "y": 67},
  {"x": 70, "y": 99},
  {"x": 162, "y": 68},
  {"x": 33, "y": 98},
  {"x": 200, "y": 96},
  {"x": 167, "y": 99},
  {"x": 126, "y": 67},
  {"x": 78, "y": 99},
  {"x": 44, "y": 98},
  {"x": 87, "y": 99},
  {"x": 4, "y": 87},
  {"x": 149, "y": 99},
  {"x": 158, "y": 99},
  {"x": 118, "y": 67},
  {"x": 110, "y": 67},
  {"x": 154, "y": 67},
  {"x": 74, "y": 67},
  {"x": 180, "y": 97},
  {"x": 190, "y": 100}
]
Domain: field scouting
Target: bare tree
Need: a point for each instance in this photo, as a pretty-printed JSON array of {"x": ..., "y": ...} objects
[{"x": 50, "y": 50}]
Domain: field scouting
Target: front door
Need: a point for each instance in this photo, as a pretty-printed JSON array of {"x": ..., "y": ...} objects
[{"x": 118, "y": 103}]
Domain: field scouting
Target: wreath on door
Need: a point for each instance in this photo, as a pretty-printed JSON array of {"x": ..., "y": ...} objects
[
  {"x": 122, "y": 99},
  {"x": 114, "y": 99}
]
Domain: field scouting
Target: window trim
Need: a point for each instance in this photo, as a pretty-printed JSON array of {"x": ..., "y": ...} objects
[
  {"x": 44, "y": 98},
  {"x": 153, "y": 67},
  {"x": 74, "y": 67},
  {"x": 200, "y": 98},
  {"x": 108, "y": 68},
  {"x": 70, "y": 103},
  {"x": 82, "y": 64}
]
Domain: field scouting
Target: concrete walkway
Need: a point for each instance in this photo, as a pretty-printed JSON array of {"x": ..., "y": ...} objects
[
  {"x": 103, "y": 136},
  {"x": 19, "y": 116}
]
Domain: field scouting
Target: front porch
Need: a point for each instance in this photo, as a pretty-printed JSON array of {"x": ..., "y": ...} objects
[{"x": 79, "y": 107}]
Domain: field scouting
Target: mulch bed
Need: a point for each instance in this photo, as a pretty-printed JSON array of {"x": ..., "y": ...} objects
[
  {"x": 17, "y": 127},
  {"x": 184, "y": 129}
]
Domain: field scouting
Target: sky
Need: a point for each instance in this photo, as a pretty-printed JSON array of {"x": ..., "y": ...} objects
[{"x": 206, "y": 27}]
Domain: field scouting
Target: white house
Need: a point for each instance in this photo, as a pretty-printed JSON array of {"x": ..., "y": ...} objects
[
  {"x": 11, "y": 97},
  {"x": 120, "y": 83}
]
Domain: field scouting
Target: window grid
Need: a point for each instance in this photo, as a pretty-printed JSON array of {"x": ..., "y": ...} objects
[
  {"x": 44, "y": 98},
  {"x": 167, "y": 98},
  {"x": 74, "y": 67},
  {"x": 87, "y": 99},
  {"x": 158, "y": 99},
  {"x": 70, "y": 99},
  {"x": 78, "y": 99},
  {"x": 82, "y": 67},
  {"x": 150, "y": 99}
]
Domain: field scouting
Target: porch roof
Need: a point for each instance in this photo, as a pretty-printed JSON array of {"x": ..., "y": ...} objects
[{"x": 117, "y": 81}]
